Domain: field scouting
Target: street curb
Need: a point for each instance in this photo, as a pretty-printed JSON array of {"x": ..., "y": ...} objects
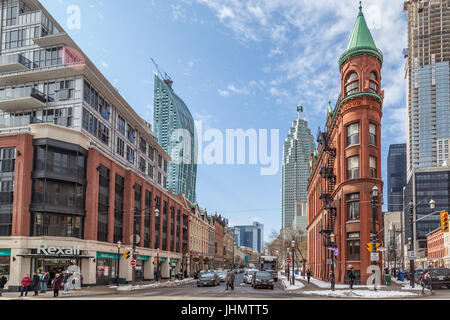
[{"x": 162, "y": 285}]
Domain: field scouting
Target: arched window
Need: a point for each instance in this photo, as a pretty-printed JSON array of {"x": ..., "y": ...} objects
[
  {"x": 373, "y": 85},
  {"x": 351, "y": 84}
]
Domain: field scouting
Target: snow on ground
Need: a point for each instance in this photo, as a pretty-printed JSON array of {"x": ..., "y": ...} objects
[
  {"x": 287, "y": 285},
  {"x": 152, "y": 285},
  {"x": 361, "y": 294},
  {"x": 326, "y": 285}
]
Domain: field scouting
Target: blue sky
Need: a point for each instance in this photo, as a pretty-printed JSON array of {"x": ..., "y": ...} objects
[{"x": 241, "y": 64}]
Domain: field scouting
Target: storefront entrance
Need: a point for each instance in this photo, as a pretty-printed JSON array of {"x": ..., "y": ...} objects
[
  {"x": 5, "y": 260},
  {"x": 53, "y": 265}
]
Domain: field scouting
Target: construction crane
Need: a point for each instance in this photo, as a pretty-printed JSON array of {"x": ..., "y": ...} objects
[{"x": 165, "y": 76}]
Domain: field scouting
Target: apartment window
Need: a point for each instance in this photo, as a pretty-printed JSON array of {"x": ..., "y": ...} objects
[
  {"x": 353, "y": 207},
  {"x": 159, "y": 161},
  {"x": 96, "y": 101},
  {"x": 373, "y": 85},
  {"x": 120, "y": 147},
  {"x": 118, "y": 208},
  {"x": 131, "y": 134},
  {"x": 353, "y": 134},
  {"x": 143, "y": 145},
  {"x": 353, "y": 246},
  {"x": 130, "y": 155},
  {"x": 65, "y": 90},
  {"x": 372, "y": 167},
  {"x": 151, "y": 153},
  {"x": 372, "y": 134},
  {"x": 121, "y": 125},
  {"x": 48, "y": 58},
  {"x": 103, "y": 204},
  {"x": 351, "y": 84},
  {"x": 11, "y": 16},
  {"x": 165, "y": 166},
  {"x": 150, "y": 171},
  {"x": 353, "y": 167},
  {"x": 95, "y": 127},
  {"x": 159, "y": 178},
  {"x": 142, "y": 165}
]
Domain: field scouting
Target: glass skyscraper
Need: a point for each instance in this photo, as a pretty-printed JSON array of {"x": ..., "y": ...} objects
[
  {"x": 174, "y": 129},
  {"x": 396, "y": 174},
  {"x": 428, "y": 77},
  {"x": 250, "y": 236},
  {"x": 298, "y": 147}
]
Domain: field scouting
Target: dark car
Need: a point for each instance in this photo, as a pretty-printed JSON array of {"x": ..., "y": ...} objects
[
  {"x": 439, "y": 277},
  {"x": 263, "y": 279},
  {"x": 208, "y": 279}
]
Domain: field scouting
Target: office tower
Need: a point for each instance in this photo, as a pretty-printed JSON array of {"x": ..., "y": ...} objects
[
  {"x": 396, "y": 175},
  {"x": 250, "y": 236},
  {"x": 298, "y": 147}
]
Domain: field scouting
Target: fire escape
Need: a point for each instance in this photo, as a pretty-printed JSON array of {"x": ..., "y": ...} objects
[{"x": 327, "y": 173}]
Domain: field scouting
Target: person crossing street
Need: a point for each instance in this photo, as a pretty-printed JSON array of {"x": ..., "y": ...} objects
[
  {"x": 230, "y": 279},
  {"x": 351, "y": 277}
]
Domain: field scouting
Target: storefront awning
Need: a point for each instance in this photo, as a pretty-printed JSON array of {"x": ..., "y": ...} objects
[
  {"x": 55, "y": 256},
  {"x": 5, "y": 252}
]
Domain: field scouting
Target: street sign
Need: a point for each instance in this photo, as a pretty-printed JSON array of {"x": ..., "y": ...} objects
[
  {"x": 374, "y": 257},
  {"x": 336, "y": 252},
  {"x": 411, "y": 254},
  {"x": 133, "y": 263},
  {"x": 381, "y": 249},
  {"x": 288, "y": 260}
]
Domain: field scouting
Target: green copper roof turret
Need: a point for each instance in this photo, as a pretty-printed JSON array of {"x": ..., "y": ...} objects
[
  {"x": 300, "y": 109},
  {"x": 361, "y": 41},
  {"x": 330, "y": 109}
]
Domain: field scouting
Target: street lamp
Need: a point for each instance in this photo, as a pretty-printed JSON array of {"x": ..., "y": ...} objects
[
  {"x": 136, "y": 210},
  {"x": 411, "y": 239},
  {"x": 333, "y": 281},
  {"x": 293, "y": 262},
  {"x": 374, "y": 231},
  {"x": 118, "y": 262}
]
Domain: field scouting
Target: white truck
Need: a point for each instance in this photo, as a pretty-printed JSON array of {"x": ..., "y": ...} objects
[{"x": 270, "y": 263}]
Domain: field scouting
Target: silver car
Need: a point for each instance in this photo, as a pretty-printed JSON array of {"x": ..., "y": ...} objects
[
  {"x": 248, "y": 276},
  {"x": 222, "y": 275}
]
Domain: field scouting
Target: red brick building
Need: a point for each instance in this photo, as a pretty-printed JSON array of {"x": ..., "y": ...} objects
[
  {"x": 347, "y": 164},
  {"x": 435, "y": 249}
]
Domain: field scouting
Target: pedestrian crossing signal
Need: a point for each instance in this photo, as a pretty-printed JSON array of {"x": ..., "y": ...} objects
[
  {"x": 444, "y": 222},
  {"x": 127, "y": 254}
]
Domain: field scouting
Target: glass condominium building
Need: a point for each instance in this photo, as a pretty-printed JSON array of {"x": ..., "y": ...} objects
[
  {"x": 428, "y": 81},
  {"x": 175, "y": 131},
  {"x": 298, "y": 147},
  {"x": 396, "y": 173}
]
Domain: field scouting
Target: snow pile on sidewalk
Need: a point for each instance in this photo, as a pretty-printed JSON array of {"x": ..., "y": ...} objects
[
  {"x": 327, "y": 285},
  {"x": 152, "y": 285},
  {"x": 361, "y": 294},
  {"x": 287, "y": 285}
]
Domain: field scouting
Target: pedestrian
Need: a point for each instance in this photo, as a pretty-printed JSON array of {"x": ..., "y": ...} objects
[
  {"x": 56, "y": 285},
  {"x": 35, "y": 283},
  {"x": 65, "y": 280},
  {"x": 308, "y": 274},
  {"x": 426, "y": 281},
  {"x": 3, "y": 282},
  {"x": 44, "y": 282},
  {"x": 351, "y": 277},
  {"x": 26, "y": 282},
  {"x": 230, "y": 279}
]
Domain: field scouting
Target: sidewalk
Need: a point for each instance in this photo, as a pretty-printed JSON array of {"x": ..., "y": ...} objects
[{"x": 95, "y": 291}]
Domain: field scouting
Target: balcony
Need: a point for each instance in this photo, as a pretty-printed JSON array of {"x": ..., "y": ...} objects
[
  {"x": 17, "y": 122},
  {"x": 21, "y": 99},
  {"x": 14, "y": 62},
  {"x": 54, "y": 40}
]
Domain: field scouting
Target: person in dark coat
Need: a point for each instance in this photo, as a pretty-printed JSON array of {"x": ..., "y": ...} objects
[
  {"x": 35, "y": 283},
  {"x": 44, "y": 282},
  {"x": 56, "y": 285},
  {"x": 351, "y": 277},
  {"x": 3, "y": 282},
  {"x": 230, "y": 279},
  {"x": 308, "y": 274},
  {"x": 26, "y": 282}
]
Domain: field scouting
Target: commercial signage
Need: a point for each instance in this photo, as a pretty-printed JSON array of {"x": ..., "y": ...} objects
[
  {"x": 374, "y": 257},
  {"x": 143, "y": 258},
  {"x": 63, "y": 251},
  {"x": 5, "y": 252},
  {"x": 412, "y": 254},
  {"x": 107, "y": 255}
]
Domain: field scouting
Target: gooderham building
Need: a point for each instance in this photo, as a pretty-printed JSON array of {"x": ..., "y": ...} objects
[
  {"x": 347, "y": 165},
  {"x": 77, "y": 164}
]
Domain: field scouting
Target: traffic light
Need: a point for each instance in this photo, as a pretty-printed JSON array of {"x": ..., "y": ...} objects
[
  {"x": 127, "y": 254},
  {"x": 444, "y": 222},
  {"x": 369, "y": 246}
]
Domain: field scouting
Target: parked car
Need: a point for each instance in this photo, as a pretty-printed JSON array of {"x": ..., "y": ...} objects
[
  {"x": 208, "y": 279},
  {"x": 263, "y": 279},
  {"x": 439, "y": 277},
  {"x": 248, "y": 276},
  {"x": 222, "y": 275}
]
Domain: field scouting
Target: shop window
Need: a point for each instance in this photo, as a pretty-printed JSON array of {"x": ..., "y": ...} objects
[
  {"x": 353, "y": 246},
  {"x": 106, "y": 270}
]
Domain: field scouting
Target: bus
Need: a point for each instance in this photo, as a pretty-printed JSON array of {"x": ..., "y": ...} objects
[{"x": 270, "y": 263}]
